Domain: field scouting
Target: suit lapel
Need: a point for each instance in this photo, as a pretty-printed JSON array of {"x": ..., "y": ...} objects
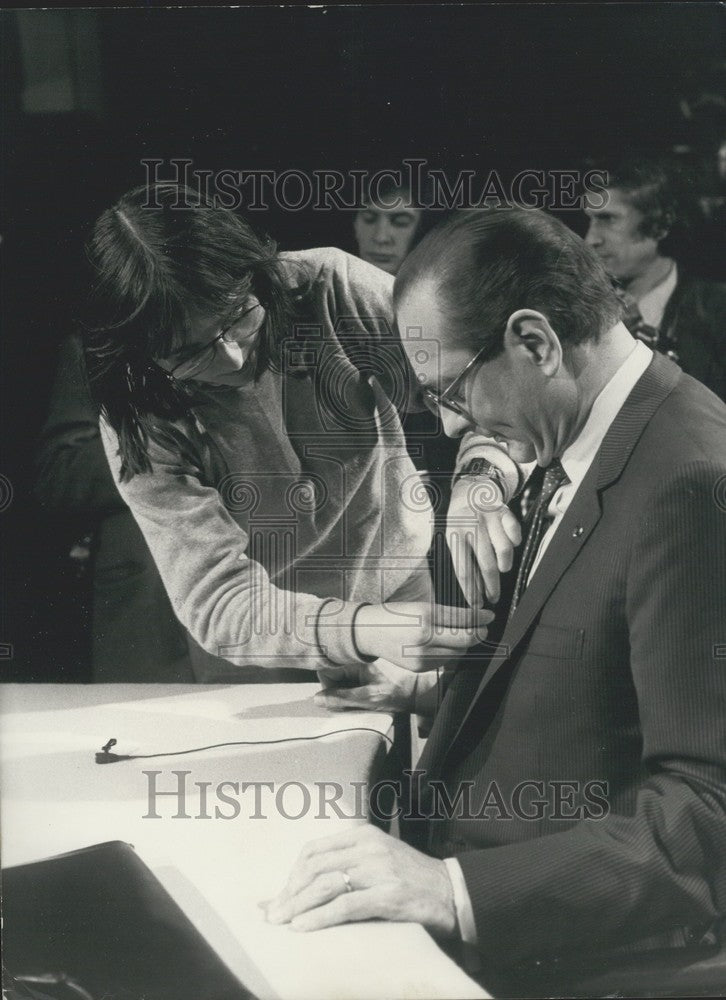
[
  {"x": 573, "y": 531},
  {"x": 582, "y": 515}
]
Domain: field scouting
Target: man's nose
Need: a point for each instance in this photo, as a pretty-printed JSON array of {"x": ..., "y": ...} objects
[
  {"x": 454, "y": 423},
  {"x": 593, "y": 237}
]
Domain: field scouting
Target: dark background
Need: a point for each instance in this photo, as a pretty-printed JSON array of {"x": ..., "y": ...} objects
[{"x": 467, "y": 87}]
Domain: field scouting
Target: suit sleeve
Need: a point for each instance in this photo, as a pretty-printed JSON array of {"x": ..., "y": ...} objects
[{"x": 602, "y": 884}]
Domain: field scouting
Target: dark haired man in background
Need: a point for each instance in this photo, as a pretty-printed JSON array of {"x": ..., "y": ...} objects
[
  {"x": 584, "y": 760},
  {"x": 633, "y": 231}
]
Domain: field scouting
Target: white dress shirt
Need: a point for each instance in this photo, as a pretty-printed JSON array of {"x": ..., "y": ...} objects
[
  {"x": 576, "y": 460},
  {"x": 578, "y": 457},
  {"x": 653, "y": 304}
]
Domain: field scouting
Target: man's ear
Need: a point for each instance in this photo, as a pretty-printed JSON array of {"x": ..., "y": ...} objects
[
  {"x": 659, "y": 229},
  {"x": 529, "y": 337}
]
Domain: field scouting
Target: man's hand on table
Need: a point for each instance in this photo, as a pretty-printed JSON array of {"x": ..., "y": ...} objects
[
  {"x": 388, "y": 880},
  {"x": 380, "y": 686}
]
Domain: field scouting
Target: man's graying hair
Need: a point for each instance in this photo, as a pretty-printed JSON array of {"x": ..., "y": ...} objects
[{"x": 487, "y": 263}]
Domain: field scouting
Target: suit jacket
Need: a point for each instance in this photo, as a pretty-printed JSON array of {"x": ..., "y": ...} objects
[
  {"x": 695, "y": 317},
  {"x": 595, "y": 736}
]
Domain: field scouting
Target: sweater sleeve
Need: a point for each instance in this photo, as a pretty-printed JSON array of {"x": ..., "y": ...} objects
[
  {"x": 223, "y": 597},
  {"x": 357, "y": 299},
  {"x": 354, "y": 300}
]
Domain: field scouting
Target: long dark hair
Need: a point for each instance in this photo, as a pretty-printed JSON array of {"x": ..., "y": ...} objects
[{"x": 159, "y": 254}]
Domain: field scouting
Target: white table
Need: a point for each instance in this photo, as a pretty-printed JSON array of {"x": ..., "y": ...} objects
[{"x": 56, "y": 798}]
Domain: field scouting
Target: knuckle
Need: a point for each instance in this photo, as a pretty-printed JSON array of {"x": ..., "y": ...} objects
[
  {"x": 314, "y": 867},
  {"x": 329, "y": 884},
  {"x": 390, "y": 901}
]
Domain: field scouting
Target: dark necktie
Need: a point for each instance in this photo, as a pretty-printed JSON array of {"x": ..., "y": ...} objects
[
  {"x": 657, "y": 340},
  {"x": 554, "y": 477},
  {"x": 634, "y": 321}
]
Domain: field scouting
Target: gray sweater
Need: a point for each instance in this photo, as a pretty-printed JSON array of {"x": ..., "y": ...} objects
[{"x": 283, "y": 505}]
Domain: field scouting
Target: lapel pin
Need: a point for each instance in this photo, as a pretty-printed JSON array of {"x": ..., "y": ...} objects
[{"x": 577, "y": 531}]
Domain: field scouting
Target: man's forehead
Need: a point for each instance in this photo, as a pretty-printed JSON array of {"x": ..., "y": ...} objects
[
  {"x": 617, "y": 202},
  {"x": 419, "y": 315},
  {"x": 427, "y": 334},
  {"x": 421, "y": 305}
]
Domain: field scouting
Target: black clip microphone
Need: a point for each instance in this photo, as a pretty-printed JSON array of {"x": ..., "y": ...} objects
[{"x": 105, "y": 757}]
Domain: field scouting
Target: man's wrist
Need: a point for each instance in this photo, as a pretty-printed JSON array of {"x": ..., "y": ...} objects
[
  {"x": 463, "y": 908},
  {"x": 475, "y": 446},
  {"x": 446, "y": 924},
  {"x": 507, "y": 483}
]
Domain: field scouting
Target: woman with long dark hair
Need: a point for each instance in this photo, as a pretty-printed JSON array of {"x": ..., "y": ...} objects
[{"x": 247, "y": 412}]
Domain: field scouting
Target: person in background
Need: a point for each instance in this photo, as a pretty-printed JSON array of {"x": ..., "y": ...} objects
[
  {"x": 712, "y": 203},
  {"x": 135, "y": 635},
  {"x": 632, "y": 228},
  {"x": 389, "y": 225},
  {"x": 247, "y": 415}
]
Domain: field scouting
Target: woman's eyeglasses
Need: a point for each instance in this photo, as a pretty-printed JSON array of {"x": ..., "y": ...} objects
[
  {"x": 198, "y": 362},
  {"x": 434, "y": 401}
]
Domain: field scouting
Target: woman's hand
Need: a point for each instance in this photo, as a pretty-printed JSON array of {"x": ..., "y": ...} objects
[{"x": 418, "y": 635}]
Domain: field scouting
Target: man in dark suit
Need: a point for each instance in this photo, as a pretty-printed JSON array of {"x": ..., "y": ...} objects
[
  {"x": 572, "y": 794},
  {"x": 635, "y": 228}
]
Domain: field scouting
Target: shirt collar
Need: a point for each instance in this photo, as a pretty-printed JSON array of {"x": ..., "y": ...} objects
[
  {"x": 577, "y": 458},
  {"x": 653, "y": 304}
]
